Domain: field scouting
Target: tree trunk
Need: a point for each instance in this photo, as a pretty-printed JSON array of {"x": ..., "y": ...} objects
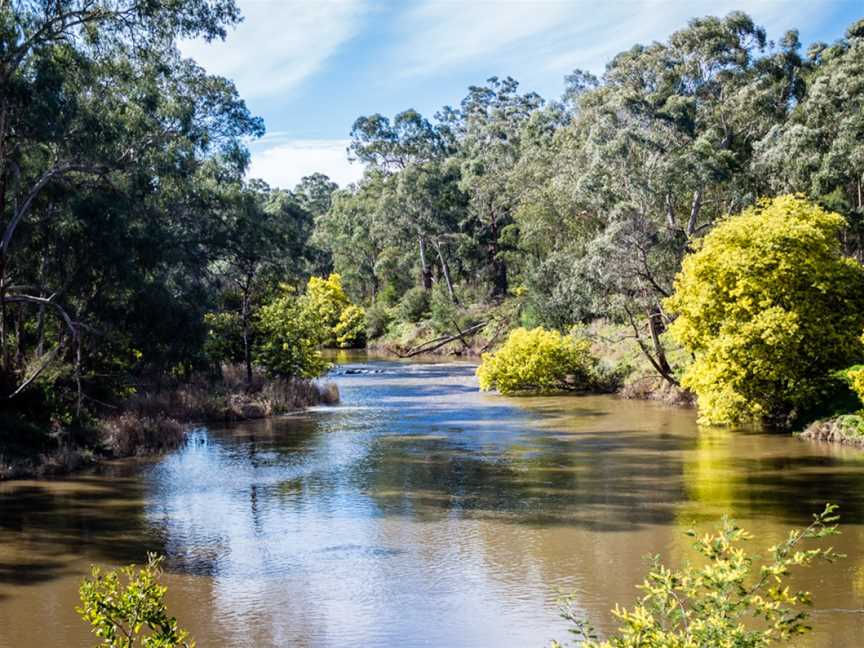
[
  {"x": 695, "y": 207},
  {"x": 498, "y": 267},
  {"x": 445, "y": 271},
  {"x": 247, "y": 352},
  {"x": 425, "y": 270},
  {"x": 657, "y": 358},
  {"x": 655, "y": 325}
]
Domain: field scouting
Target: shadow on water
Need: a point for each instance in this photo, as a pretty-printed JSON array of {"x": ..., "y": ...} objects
[{"x": 99, "y": 516}]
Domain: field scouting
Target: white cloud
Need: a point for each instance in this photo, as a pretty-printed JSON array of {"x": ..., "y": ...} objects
[
  {"x": 520, "y": 36},
  {"x": 282, "y": 162},
  {"x": 442, "y": 34},
  {"x": 279, "y": 43}
]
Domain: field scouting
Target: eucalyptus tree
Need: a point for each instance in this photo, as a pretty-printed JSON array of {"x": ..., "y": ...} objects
[
  {"x": 103, "y": 128},
  {"x": 354, "y": 231},
  {"x": 410, "y": 141},
  {"x": 488, "y": 127},
  {"x": 661, "y": 149},
  {"x": 314, "y": 193},
  {"x": 431, "y": 205},
  {"x": 265, "y": 241},
  {"x": 819, "y": 150}
]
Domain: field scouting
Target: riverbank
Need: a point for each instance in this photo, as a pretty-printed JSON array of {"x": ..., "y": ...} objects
[
  {"x": 157, "y": 419},
  {"x": 614, "y": 344},
  {"x": 846, "y": 429}
]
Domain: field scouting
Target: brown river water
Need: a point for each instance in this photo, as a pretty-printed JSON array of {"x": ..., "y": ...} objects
[{"x": 420, "y": 512}]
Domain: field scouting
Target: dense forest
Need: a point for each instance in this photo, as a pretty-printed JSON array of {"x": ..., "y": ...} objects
[
  {"x": 687, "y": 227},
  {"x": 135, "y": 248}
]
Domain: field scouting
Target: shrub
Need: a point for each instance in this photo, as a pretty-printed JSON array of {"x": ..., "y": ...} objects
[
  {"x": 378, "y": 319},
  {"x": 414, "y": 305},
  {"x": 290, "y": 336},
  {"x": 325, "y": 299},
  {"x": 728, "y": 600},
  {"x": 130, "y": 434},
  {"x": 767, "y": 306},
  {"x": 350, "y": 331},
  {"x": 126, "y": 608},
  {"x": 538, "y": 360},
  {"x": 855, "y": 378}
]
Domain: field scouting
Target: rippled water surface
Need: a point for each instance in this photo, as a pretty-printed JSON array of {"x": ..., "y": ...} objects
[{"x": 420, "y": 512}]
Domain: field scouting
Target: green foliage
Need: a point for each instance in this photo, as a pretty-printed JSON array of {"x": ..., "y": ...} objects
[
  {"x": 538, "y": 360},
  {"x": 290, "y": 338},
  {"x": 378, "y": 318},
  {"x": 224, "y": 337},
  {"x": 126, "y": 608},
  {"x": 769, "y": 306},
  {"x": 350, "y": 331},
  {"x": 855, "y": 376},
  {"x": 414, "y": 305},
  {"x": 731, "y": 599},
  {"x": 325, "y": 299},
  {"x": 342, "y": 323}
]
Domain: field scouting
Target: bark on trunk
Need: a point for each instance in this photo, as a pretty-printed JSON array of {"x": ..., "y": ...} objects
[
  {"x": 695, "y": 208},
  {"x": 425, "y": 270},
  {"x": 657, "y": 357},
  {"x": 247, "y": 352},
  {"x": 445, "y": 271}
]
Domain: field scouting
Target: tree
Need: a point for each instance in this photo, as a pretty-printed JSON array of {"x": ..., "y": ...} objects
[
  {"x": 103, "y": 133},
  {"x": 265, "y": 241},
  {"x": 409, "y": 143},
  {"x": 769, "y": 307},
  {"x": 657, "y": 151},
  {"x": 820, "y": 148},
  {"x": 488, "y": 127}
]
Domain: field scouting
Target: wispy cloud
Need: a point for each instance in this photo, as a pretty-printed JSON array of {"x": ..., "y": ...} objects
[
  {"x": 282, "y": 161},
  {"x": 522, "y": 36},
  {"x": 279, "y": 43},
  {"x": 441, "y": 34}
]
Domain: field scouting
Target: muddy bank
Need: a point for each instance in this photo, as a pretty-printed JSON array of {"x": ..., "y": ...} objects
[{"x": 155, "y": 421}]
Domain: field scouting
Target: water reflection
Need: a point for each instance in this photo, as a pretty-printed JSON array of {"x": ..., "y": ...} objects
[{"x": 418, "y": 512}]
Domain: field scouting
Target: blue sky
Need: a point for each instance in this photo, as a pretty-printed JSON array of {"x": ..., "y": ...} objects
[{"x": 309, "y": 68}]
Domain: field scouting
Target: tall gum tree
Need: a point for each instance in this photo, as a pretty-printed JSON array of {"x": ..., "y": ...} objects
[{"x": 94, "y": 93}]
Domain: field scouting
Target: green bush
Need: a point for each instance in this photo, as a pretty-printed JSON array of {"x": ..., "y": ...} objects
[
  {"x": 378, "y": 319},
  {"x": 290, "y": 337},
  {"x": 414, "y": 306},
  {"x": 730, "y": 599},
  {"x": 538, "y": 360},
  {"x": 126, "y": 608},
  {"x": 224, "y": 343},
  {"x": 769, "y": 306}
]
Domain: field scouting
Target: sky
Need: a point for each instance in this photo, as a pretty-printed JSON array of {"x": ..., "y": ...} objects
[{"x": 311, "y": 67}]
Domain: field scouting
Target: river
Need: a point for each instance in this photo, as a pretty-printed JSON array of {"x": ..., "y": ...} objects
[{"x": 420, "y": 512}]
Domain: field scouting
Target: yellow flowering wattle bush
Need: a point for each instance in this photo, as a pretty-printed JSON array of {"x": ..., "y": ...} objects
[
  {"x": 769, "y": 307},
  {"x": 350, "y": 330},
  {"x": 343, "y": 323},
  {"x": 325, "y": 299},
  {"x": 538, "y": 360},
  {"x": 855, "y": 377}
]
